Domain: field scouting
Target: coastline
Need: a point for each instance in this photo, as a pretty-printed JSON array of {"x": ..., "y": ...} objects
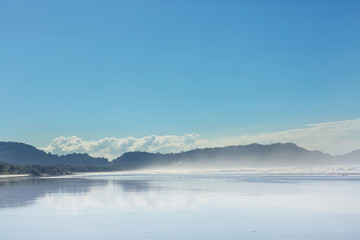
[{"x": 14, "y": 175}]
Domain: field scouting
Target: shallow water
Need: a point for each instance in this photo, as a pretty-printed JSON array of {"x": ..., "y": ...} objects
[{"x": 181, "y": 206}]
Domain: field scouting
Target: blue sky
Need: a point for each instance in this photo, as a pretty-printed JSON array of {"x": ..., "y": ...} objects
[{"x": 97, "y": 69}]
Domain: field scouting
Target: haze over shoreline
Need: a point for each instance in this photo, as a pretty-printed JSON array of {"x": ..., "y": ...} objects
[{"x": 230, "y": 157}]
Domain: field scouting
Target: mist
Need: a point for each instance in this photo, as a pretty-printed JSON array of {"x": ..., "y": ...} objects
[{"x": 249, "y": 158}]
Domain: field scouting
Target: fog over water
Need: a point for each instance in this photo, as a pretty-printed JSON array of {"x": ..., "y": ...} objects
[{"x": 194, "y": 205}]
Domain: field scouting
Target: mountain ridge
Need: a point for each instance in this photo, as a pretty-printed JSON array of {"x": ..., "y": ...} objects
[
  {"x": 21, "y": 153},
  {"x": 252, "y": 155}
]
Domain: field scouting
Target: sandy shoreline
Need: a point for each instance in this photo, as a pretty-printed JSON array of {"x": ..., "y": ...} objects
[
  {"x": 14, "y": 175},
  {"x": 339, "y": 170}
]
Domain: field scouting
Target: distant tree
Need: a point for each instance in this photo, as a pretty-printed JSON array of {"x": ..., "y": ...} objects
[{"x": 2, "y": 168}]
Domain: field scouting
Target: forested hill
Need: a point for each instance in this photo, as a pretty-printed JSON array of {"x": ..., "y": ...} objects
[
  {"x": 24, "y": 154},
  {"x": 253, "y": 155}
]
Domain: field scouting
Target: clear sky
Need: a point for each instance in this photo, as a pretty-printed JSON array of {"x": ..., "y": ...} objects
[{"x": 97, "y": 69}]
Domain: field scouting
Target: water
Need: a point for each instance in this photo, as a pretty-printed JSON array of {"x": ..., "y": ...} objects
[{"x": 181, "y": 206}]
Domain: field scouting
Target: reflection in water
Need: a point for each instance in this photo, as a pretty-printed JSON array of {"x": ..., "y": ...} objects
[
  {"x": 164, "y": 191},
  {"x": 24, "y": 191},
  {"x": 221, "y": 203}
]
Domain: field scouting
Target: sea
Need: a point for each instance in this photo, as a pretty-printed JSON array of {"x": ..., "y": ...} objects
[{"x": 182, "y": 205}]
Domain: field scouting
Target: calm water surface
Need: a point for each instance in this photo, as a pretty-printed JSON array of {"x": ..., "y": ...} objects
[{"x": 181, "y": 206}]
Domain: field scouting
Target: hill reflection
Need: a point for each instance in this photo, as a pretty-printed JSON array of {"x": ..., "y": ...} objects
[
  {"x": 25, "y": 191},
  {"x": 94, "y": 194}
]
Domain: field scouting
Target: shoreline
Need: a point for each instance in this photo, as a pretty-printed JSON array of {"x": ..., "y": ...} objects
[
  {"x": 340, "y": 171},
  {"x": 14, "y": 175}
]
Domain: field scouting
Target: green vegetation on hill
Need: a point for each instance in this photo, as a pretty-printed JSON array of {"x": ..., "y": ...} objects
[
  {"x": 20, "y": 158},
  {"x": 37, "y": 170},
  {"x": 20, "y": 153}
]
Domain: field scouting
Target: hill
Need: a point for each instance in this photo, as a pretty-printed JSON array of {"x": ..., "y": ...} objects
[
  {"x": 350, "y": 158},
  {"x": 253, "y": 155},
  {"x": 24, "y": 154}
]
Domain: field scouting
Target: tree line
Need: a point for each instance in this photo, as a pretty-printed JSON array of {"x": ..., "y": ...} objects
[{"x": 39, "y": 170}]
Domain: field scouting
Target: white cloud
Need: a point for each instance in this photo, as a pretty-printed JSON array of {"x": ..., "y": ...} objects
[
  {"x": 111, "y": 147},
  {"x": 331, "y": 137}
]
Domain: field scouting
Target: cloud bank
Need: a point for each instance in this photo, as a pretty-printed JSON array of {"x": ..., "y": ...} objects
[
  {"x": 111, "y": 147},
  {"x": 332, "y": 137}
]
